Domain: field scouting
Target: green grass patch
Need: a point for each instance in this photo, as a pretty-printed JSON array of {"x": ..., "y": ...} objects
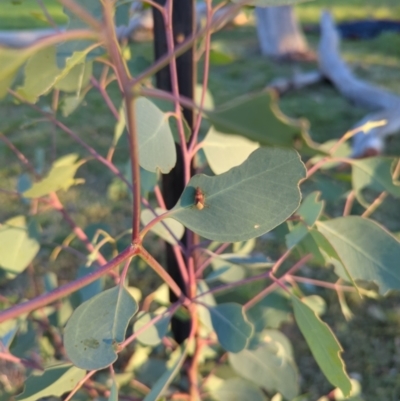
[
  {"x": 27, "y": 14},
  {"x": 345, "y": 10}
]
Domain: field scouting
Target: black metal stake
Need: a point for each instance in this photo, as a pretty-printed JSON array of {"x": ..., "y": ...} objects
[{"x": 173, "y": 183}]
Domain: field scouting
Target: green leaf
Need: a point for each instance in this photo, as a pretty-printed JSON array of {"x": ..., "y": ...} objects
[
  {"x": 247, "y": 201},
  {"x": 208, "y": 301},
  {"x": 60, "y": 176},
  {"x": 218, "y": 57},
  {"x": 258, "y": 118},
  {"x": 165, "y": 228},
  {"x": 216, "y": 274},
  {"x": 244, "y": 247},
  {"x": 271, "y": 3},
  {"x": 153, "y": 334},
  {"x": 324, "y": 253},
  {"x": 331, "y": 189},
  {"x": 9, "y": 329},
  {"x": 367, "y": 250},
  {"x": 237, "y": 389},
  {"x": 75, "y": 68},
  {"x": 269, "y": 366},
  {"x": 226, "y": 271},
  {"x": 156, "y": 143},
  {"x": 92, "y": 289},
  {"x": 271, "y": 311},
  {"x": 323, "y": 345},
  {"x": 97, "y": 326},
  {"x": 343, "y": 150},
  {"x": 24, "y": 183},
  {"x": 174, "y": 365},
  {"x": 148, "y": 181},
  {"x": 18, "y": 245},
  {"x": 311, "y": 208},
  {"x": 254, "y": 261},
  {"x": 11, "y": 61},
  {"x": 231, "y": 326},
  {"x": 296, "y": 234},
  {"x": 208, "y": 98},
  {"x": 316, "y": 303},
  {"x": 40, "y": 74},
  {"x": 281, "y": 342},
  {"x": 226, "y": 151},
  {"x": 71, "y": 103},
  {"x": 173, "y": 123},
  {"x": 75, "y": 76},
  {"x": 309, "y": 211},
  {"x": 119, "y": 126},
  {"x": 54, "y": 381},
  {"x": 113, "y": 392},
  {"x": 374, "y": 173}
]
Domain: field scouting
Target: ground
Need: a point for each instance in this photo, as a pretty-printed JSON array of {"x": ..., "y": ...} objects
[{"x": 371, "y": 340}]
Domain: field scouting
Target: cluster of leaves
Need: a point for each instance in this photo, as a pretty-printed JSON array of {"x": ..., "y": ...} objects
[{"x": 253, "y": 188}]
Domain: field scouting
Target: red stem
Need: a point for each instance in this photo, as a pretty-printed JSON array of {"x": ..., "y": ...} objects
[
  {"x": 193, "y": 139},
  {"x": 325, "y": 160},
  {"x": 319, "y": 283},
  {"x": 207, "y": 262},
  {"x": 249, "y": 304},
  {"x": 105, "y": 96},
  {"x": 124, "y": 79},
  {"x": 75, "y": 137},
  {"x": 68, "y": 288}
]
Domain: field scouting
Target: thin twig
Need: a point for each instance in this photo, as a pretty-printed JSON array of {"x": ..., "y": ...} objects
[
  {"x": 249, "y": 304},
  {"x": 76, "y": 137},
  {"x": 6, "y": 356},
  {"x": 319, "y": 283},
  {"x": 80, "y": 384},
  {"x": 379, "y": 200},
  {"x": 349, "y": 203},
  {"x": 129, "y": 99},
  {"x": 106, "y": 97},
  {"x": 170, "y": 311},
  {"x": 162, "y": 272},
  {"x": 207, "y": 262},
  {"x": 68, "y": 288},
  {"x": 196, "y": 130}
]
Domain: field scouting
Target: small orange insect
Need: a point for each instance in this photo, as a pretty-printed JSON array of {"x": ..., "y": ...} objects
[{"x": 199, "y": 199}]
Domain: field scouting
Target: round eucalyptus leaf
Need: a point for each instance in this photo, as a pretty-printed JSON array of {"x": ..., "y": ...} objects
[
  {"x": 156, "y": 143},
  {"x": 169, "y": 229},
  {"x": 60, "y": 176},
  {"x": 232, "y": 328},
  {"x": 96, "y": 328},
  {"x": 225, "y": 151},
  {"x": 323, "y": 345},
  {"x": 54, "y": 381},
  {"x": 18, "y": 245},
  {"x": 268, "y": 366},
  {"x": 366, "y": 250},
  {"x": 235, "y": 389},
  {"x": 154, "y": 334},
  {"x": 246, "y": 201}
]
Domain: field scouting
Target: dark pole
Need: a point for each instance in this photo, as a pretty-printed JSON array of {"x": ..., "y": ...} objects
[{"x": 173, "y": 183}]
